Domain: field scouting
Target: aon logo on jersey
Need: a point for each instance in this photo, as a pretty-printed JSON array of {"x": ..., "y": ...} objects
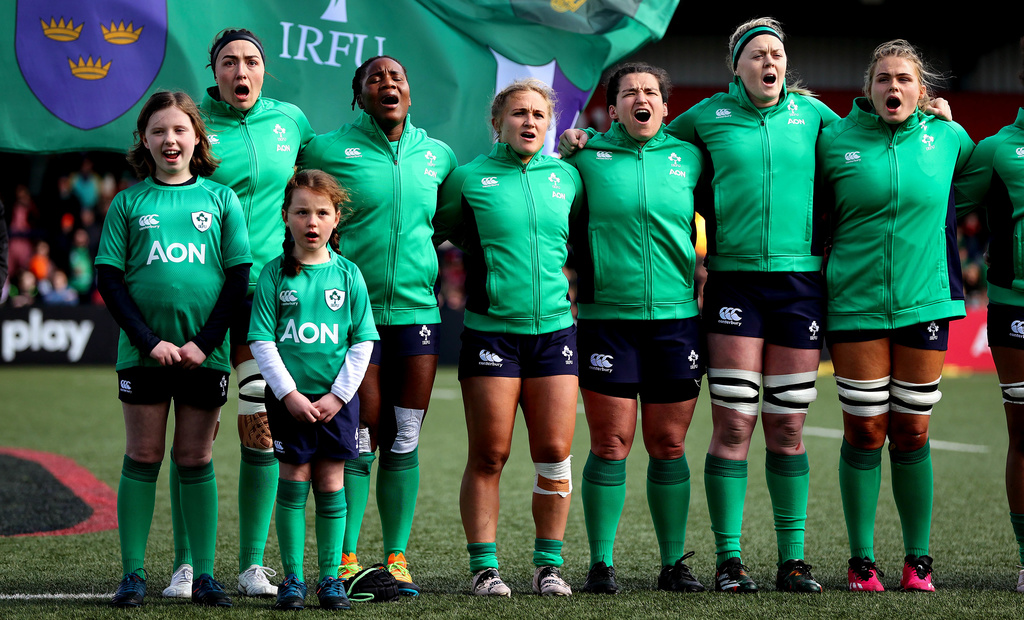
[
  {"x": 309, "y": 333},
  {"x": 177, "y": 253}
]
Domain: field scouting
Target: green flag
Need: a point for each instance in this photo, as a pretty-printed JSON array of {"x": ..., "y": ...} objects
[{"x": 83, "y": 69}]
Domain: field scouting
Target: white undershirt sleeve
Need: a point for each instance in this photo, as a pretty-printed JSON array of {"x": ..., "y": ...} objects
[
  {"x": 272, "y": 367},
  {"x": 352, "y": 370}
]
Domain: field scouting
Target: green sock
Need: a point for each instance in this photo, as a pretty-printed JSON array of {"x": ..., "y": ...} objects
[
  {"x": 913, "y": 488},
  {"x": 860, "y": 477},
  {"x": 357, "y": 493},
  {"x": 199, "y": 512},
  {"x": 604, "y": 494},
  {"x": 789, "y": 478},
  {"x": 182, "y": 552},
  {"x": 1017, "y": 520},
  {"x": 482, "y": 555},
  {"x": 291, "y": 524},
  {"x": 668, "y": 496},
  {"x": 726, "y": 484},
  {"x": 257, "y": 488},
  {"x": 330, "y": 530},
  {"x": 136, "y": 496},
  {"x": 398, "y": 483},
  {"x": 547, "y": 552}
]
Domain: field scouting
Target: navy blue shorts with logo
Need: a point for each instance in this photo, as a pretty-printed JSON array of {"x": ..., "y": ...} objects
[
  {"x": 930, "y": 336},
  {"x": 238, "y": 334},
  {"x": 783, "y": 308},
  {"x": 204, "y": 388},
  {"x": 662, "y": 361},
  {"x": 298, "y": 443},
  {"x": 1005, "y": 326},
  {"x": 490, "y": 354},
  {"x": 405, "y": 341}
]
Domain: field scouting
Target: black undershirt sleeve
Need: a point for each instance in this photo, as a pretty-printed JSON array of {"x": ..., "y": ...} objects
[
  {"x": 112, "y": 287},
  {"x": 236, "y": 284}
]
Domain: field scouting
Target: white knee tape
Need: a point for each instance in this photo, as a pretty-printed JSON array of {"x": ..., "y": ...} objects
[
  {"x": 251, "y": 387},
  {"x": 735, "y": 389},
  {"x": 553, "y": 478},
  {"x": 364, "y": 440},
  {"x": 408, "y": 422},
  {"x": 1013, "y": 393},
  {"x": 917, "y": 398},
  {"x": 864, "y": 398},
  {"x": 789, "y": 393}
]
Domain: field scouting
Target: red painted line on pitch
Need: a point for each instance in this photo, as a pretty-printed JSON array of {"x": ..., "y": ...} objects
[{"x": 98, "y": 496}]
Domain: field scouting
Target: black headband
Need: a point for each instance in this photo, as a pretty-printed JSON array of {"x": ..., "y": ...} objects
[
  {"x": 234, "y": 36},
  {"x": 746, "y": 37}
]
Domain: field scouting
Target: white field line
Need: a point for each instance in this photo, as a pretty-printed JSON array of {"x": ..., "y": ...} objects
[{"x": 835, "y": 433}]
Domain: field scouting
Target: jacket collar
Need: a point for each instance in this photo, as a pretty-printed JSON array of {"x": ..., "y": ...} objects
[
  {"x": 211, "y": 101},
  {"x": 739, "y": 91}
]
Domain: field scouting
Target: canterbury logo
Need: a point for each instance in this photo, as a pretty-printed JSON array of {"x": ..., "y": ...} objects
[
  {"x": 489, "y": 181},
  {"x": 604, "y": 155},
  {"x": 853, "y": 156},
  {"x": 1020, "y": 151},
  {"x": 487, "y": 356},
  {"x": 600, "y": 360},
  {"x": 126, "y": 386},
  {"x": 288, "y": 296},
  {"x": 148, "y": 221},
  {"x": 730, "y": 314},
  {"x": 723, "y": 112},
  {"x": 1017, "y": 327},
  {"x": 353, "y": 152}
]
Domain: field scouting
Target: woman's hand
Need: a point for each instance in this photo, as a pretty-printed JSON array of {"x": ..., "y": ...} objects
[{"x": 570, "y": 141}]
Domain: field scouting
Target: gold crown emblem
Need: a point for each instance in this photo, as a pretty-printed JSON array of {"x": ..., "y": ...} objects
[
  {"x": 562, "y": 6},
  {"x": 89, "y": 70},
  {"x": 119, "y": 35},
  {"x": 61, "y": 31}
]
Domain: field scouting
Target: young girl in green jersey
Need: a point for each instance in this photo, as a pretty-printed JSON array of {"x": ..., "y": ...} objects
[
  {"x": 311, "y": 334},
  {"x": 174, "y": 236}
]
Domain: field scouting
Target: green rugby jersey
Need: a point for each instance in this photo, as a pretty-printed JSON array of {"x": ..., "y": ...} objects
[
  {"x": 994, "y": 179},
  {"x": 173, "y": 243},
  {"x": 313, "y": 318},
  {"x": 757, "y": 190},
  {"x": 633, "y": 241},
  {"x": 258, "y": 151},
  {"x": 894, "y": 259},
  {"x": 393, "y": 188},
  {"x": 512, "y": 220}
]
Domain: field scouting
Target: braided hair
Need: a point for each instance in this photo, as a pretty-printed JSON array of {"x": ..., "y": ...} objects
[{"x": 357, "y": 79}]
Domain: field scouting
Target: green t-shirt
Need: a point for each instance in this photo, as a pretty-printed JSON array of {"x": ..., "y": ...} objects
[
  {"x": 173, "y": 243},
  {"x": 313, "y": 318}
]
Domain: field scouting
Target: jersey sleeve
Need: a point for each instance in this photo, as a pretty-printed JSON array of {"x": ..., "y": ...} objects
[
  {"x": 307, "y": 134},
  {"x": 579, "y": 199},
  {"x": 448, "y": 216},
  {"x": 683, "y": 127},
  {"x": 363, "y": 327},
  {"x": 263, "y": 322},
  {"x": 971, "y": 185},
  {"x": 234, "y": 234},
  {"x": 113, "y": 247},
  {"x": 966, "y": 146}
]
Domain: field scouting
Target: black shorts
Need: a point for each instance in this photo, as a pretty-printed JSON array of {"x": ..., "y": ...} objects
[
  {"x": 203, "y": 388},
  {"x": 1005, "y": 326},
  {"x": 490, "y": 354},
  {"x": 238, "y": 334},
  {"x": 299, "y": 443},
  {"x": 662, "y": 361},
  {"x": 930, "y": 336},
  {"x": 783, "y": 308},
  {"x": 405, "y": 341}
]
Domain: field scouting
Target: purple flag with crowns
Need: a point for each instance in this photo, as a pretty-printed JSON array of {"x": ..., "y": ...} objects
[{"x": 90, "y": 62}]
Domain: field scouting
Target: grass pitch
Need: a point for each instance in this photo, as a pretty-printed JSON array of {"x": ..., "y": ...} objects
[{"x": 74, "y": 412}]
